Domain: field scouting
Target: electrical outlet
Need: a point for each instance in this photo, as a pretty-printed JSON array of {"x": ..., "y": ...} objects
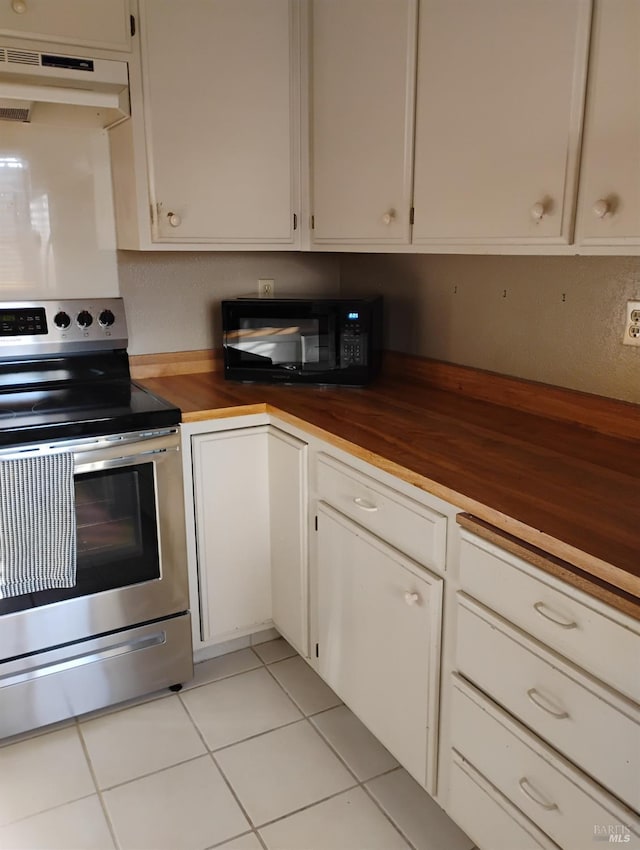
[
  {"x": 266, "y": 288},
  {"x": 632, "y": 324}
]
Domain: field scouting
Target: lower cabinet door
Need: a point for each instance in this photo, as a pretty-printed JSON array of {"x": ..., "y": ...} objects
[
  {"x": 379, "y": 619},
  {"x": 230, "y": 478},
  {"x": 288, "y": 525}
]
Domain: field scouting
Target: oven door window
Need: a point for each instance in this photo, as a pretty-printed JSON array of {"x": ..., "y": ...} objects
[{"x": 117, "y": 535}]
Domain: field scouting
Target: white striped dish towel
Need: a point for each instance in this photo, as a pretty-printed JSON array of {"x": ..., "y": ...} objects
[{"x": 37, "y": 524}]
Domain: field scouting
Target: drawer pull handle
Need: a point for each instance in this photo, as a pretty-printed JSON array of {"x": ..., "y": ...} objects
[
  {"x": 539, "y": 701},
  {"x": 411, "y": 598},
  {"x": 364, "y": 505},
  {"x": 534, "y": 795},
  {"x": 557, "y": 619}
]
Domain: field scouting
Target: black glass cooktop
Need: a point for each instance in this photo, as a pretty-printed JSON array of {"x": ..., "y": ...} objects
[{"x": 63, "y": 398}]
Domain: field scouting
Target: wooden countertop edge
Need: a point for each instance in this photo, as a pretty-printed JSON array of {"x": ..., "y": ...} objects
[
  {"x": 627, "y": 603},
  {"x": 174, "y": 363},
  {"x": 225, "y": 412},
  {"x": 587, "y": 564}
]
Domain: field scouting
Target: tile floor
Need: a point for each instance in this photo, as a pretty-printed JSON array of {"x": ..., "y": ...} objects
[{"x": 256, "y": 752}]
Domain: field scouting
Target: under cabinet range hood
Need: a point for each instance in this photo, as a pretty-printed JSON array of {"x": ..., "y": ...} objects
[{"x": 61, "y": 90}]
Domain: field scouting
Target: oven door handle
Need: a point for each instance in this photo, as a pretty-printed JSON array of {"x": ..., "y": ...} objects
[{"x": 110, "y": 462}]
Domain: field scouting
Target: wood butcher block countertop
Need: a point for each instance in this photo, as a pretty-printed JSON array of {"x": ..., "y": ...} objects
[{"x": 557, "y": 469}]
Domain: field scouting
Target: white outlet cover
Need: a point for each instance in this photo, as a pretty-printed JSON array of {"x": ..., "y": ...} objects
[{"x": 632, "y": 324}]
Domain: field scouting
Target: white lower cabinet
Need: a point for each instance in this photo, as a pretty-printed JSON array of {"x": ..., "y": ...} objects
[
  {"x": 480, "y": 809},
  {"x": 542, "y": 720},
  {"x": 557, "y": 701},
  {"x": 379, "y": 638},
  {"x": 288, "y": 526},
  {"x": 567, "y": 806},
  {"x": 248, "y": 560},
  {"x": 230, "y": 472},
  {"x": 537, "y": 741}
]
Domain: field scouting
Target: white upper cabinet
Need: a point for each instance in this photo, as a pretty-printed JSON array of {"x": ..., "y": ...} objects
[
  {"x": 362, "y": 95},
  {"x": 221, "y": 128},
  {"x": 86, "y": 23},
  {"x": 498, "y": 119},
  {"x": 609, "y": 201}
]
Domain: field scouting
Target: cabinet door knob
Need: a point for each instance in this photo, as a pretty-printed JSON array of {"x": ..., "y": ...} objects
[
  {"x": 174, "y": 219},
  {"x": 554, "y": 617},
  {"x": 601, "y": 208},
  {"x": 364, "y": 505},
  {"x": 538, "y": 211},
  {"x": 411, "y": 598},
  {"x": 543, "y": 704},
  {"x": 388, "y": 217},
  {"x": 19, "y": 7},
  {"x": 533, "y": 794}
]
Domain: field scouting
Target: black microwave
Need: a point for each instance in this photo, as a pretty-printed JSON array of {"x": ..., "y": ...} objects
[{"x": 302, "y": 340}]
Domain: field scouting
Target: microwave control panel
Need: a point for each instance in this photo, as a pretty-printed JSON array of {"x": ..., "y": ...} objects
[{"x": 353, "y": 341}]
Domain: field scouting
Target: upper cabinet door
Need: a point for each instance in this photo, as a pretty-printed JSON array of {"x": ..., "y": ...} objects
[
  {"x": 97, "y": 23},
  {"x": 499, "y": 108},
  {"x": 609, "y": 201},
  {"x": 362, "y": 90},
  {"x": 219, "y": 88}
]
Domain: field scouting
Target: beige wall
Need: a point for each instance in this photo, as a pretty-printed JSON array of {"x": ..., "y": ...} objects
[
  {"x": 173, "y": 299},
  {"x": 560, "y": 321},
  {"x": 553, "y": 319}
]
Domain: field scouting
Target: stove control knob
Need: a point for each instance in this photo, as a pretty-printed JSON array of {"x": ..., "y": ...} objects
[
  {"x": 84, "y": 319},
  {"x": 106, "y": 319},
  {"x": 61, "y": 320}
]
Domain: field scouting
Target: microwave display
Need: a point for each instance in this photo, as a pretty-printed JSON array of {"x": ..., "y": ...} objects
[{"x": 292, "y": 340}]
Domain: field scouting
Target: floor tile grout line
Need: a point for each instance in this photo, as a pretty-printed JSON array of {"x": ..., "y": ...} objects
[
  {"x": 309, "y": 717},
  {"x": 361, "y": 782},
  {"x": 103, "y": 803},
  {"x": 232, "y": 791},
  {"x": 38, "y": 732},
  {"x": 380, "y": 807},
  {"x": 303, "y": 719},
  {"x": 189, "y": 688},
  {"x": 253, "y": 829},
  {"x": 357, "y": 783},
  {"x": 257, "y": 735},
  {"x": 46, "y": 810},
  {"x": 292, "y": 698},
  {"x": 154, "y": 772},
  {"x": 220, "y": 844},
  {"x": 307, "y": 806},
  {"x": 218, "y": 767},
  {"x": 249, "y": 737}
]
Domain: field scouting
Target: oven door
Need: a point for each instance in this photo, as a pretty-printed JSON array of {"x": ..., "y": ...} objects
[{"x": 131, "y": 550}]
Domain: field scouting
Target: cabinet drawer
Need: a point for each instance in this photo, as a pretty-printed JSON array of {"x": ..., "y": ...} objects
[
  {"x": 591, "y": 725},
  {"x": 560, "y": 800},
  {"x": 406, "y": 524},
  {"x": 486, "y": 815},
  {"x": 569, "y": 621}
]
